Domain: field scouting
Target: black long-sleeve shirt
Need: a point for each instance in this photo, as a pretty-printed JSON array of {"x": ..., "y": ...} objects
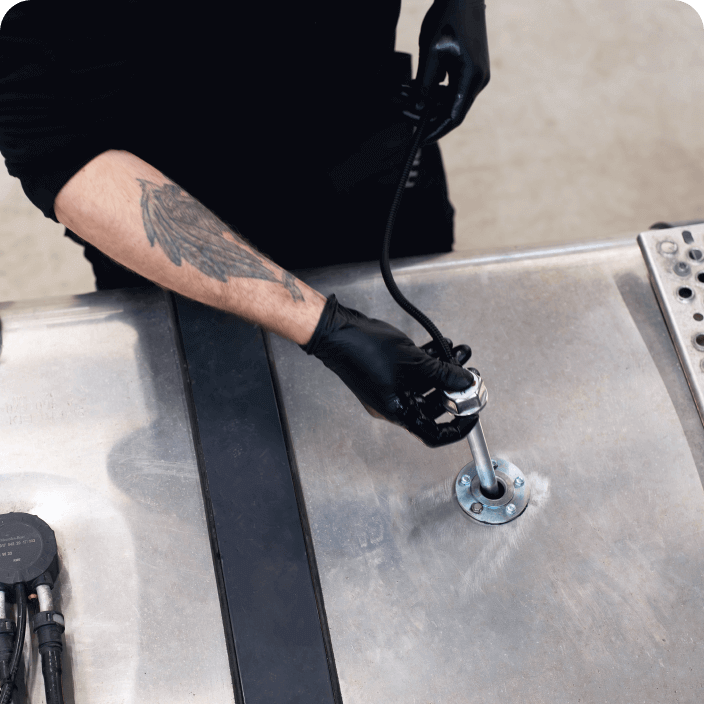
[{"x": 277, "y": 116}]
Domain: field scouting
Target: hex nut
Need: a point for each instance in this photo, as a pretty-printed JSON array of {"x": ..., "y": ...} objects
[
  {"x": 468, "y": 402},
  {"x": 478, "y": 508}
]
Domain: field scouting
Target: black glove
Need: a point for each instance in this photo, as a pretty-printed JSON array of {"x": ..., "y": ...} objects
[
  {"x": 389, "y": 374},
  {"x": 452, "y": 41}
]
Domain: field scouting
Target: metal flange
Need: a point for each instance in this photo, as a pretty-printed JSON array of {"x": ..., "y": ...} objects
[{"x": 511, "y": 504}]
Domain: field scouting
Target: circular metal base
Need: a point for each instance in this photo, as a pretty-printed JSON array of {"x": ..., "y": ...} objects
[{"x": 510, "y": 505}]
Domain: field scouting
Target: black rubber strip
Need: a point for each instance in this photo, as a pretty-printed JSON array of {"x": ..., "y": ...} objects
[{"x": 278, "y": 648}]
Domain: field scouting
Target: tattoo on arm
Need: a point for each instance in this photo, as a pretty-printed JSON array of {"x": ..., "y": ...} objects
[
  {"x": 289, "y": 281},
  {"x": 186, "y": 229}
]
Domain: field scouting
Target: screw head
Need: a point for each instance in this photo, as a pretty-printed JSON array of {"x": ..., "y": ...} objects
[
  {"x": 518, "y": 481},
  {"x": 465, "y": 480},
  {"x": 494, "y": 464},
  {"x": 478, "y": 508},
  {"x": 511, "y": 509}
]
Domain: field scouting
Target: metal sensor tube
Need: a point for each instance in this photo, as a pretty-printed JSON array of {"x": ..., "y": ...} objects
[
  {"x": 3, "y": 612},
  {"x": 482, "y": 461},
  {"x": 46, "y": 603}
]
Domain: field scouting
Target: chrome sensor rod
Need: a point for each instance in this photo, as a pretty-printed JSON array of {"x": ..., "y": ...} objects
[
  {"x": 470, "y": 402},
  {"x": 490, "y": 491},
  {"x": 482, "y": 461}
]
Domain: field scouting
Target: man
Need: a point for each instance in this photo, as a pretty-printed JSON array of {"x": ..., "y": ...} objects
[{"x": 162, "y": 138}]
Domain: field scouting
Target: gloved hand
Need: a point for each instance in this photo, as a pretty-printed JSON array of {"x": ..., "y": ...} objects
[
  {"x": 387, "y": 372},
  {"x": 452, "y": 41}
]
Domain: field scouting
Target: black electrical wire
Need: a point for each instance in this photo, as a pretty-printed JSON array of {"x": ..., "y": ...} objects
[
  {"x": 51, "y": 670},
  {"x": 424, "y": 320},
  {"x": 9, "y": 684}
]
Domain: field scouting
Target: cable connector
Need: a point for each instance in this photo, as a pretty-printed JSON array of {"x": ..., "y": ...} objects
[{"x": 49, "y": 627}]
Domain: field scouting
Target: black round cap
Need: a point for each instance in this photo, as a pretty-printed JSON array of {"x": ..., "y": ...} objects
[{"x": 27, "y": 551}]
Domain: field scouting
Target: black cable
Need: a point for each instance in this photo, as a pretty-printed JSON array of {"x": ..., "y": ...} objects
[
  {"x": 424, "y": 320},
  {"x": 49, "y": 627},
  {"x": 9, "y": 684},
  {"x": 51, "y": 670}
]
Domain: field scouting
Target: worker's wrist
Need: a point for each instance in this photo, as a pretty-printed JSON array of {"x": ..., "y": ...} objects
[{"x": 311, "y": 320}]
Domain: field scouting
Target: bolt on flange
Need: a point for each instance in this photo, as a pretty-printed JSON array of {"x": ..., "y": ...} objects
[{"x": 514, "y": 498}]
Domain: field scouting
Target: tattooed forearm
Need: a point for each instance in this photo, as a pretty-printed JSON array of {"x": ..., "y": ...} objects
[
  {"x": 186, "y": 229},
  {"x": 289, "y": 281}
]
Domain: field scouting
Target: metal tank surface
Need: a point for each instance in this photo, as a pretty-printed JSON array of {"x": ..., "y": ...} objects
[
  {"x": 594, "y": 593},
  {"x": 95, "y": 439}
]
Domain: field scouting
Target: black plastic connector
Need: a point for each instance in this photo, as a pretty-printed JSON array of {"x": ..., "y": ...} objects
[
  {"x": 49, "y": 627},
  {"x": 7, "y": 642}
]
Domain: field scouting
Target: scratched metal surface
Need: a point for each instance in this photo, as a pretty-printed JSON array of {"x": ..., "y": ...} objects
[
  {"x": 595, "y": 593},
  {"x": 95, "y": 439}
]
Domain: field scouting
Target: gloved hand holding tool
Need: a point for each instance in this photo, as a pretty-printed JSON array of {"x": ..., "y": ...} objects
[
  {"x": 453, "y": 41},
  {"x": 389, "y": 374}
]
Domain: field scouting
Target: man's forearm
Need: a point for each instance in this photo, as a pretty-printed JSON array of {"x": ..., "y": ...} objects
[{"x": 138, "y": 217}]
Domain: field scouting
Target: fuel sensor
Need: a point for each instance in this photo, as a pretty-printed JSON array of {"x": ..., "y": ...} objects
[{"x": 29, "y": 564}]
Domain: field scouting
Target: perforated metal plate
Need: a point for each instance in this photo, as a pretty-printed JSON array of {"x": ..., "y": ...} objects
[{"x": 675, "y": 260}]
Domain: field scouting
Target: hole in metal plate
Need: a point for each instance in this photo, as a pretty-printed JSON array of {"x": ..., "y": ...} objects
[
  {"x": 500, "y": 489},
  {"x": 698, "y": 341},
  {"x": 696, "y": 254},
  {"x": 698, "y": 316},
  {"x": 684, "y": 293},
  {"x": 687, "y": 237}
]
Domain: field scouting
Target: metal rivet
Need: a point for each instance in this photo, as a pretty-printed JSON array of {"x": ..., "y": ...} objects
[
  {"x": 681, "y": 269},
  {"x": 518, "y": 481},
  {"x": 466, "y": 479},
  {"x": 511, "y": 509},
  {"x": 478, "y": 508}
]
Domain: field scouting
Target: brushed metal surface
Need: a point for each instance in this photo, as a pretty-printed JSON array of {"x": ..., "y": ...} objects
[
  {"x": 676, "y": 265},
  {"x": 95, "y": 439},
  {"x": 594, "y": 594}
]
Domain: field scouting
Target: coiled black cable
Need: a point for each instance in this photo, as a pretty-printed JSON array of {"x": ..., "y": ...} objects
[
  {"x": 424, "y": 320},
  {"x": 8, "y": 685}
]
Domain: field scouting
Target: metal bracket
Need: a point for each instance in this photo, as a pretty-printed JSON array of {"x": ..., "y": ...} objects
[{"x": 675, "y": 261}]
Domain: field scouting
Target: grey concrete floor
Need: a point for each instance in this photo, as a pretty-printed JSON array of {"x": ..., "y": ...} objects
[{"x": 591, "y": 127}]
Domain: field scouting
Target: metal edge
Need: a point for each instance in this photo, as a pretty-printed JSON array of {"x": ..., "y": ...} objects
[
  {"x": 305, "y": 524},
  {"x": 205, "y": 489},
  {"x": 408, "y": 265}
]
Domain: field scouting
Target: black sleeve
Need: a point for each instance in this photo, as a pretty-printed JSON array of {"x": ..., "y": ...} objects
[{"x": 54, "y": 113}]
